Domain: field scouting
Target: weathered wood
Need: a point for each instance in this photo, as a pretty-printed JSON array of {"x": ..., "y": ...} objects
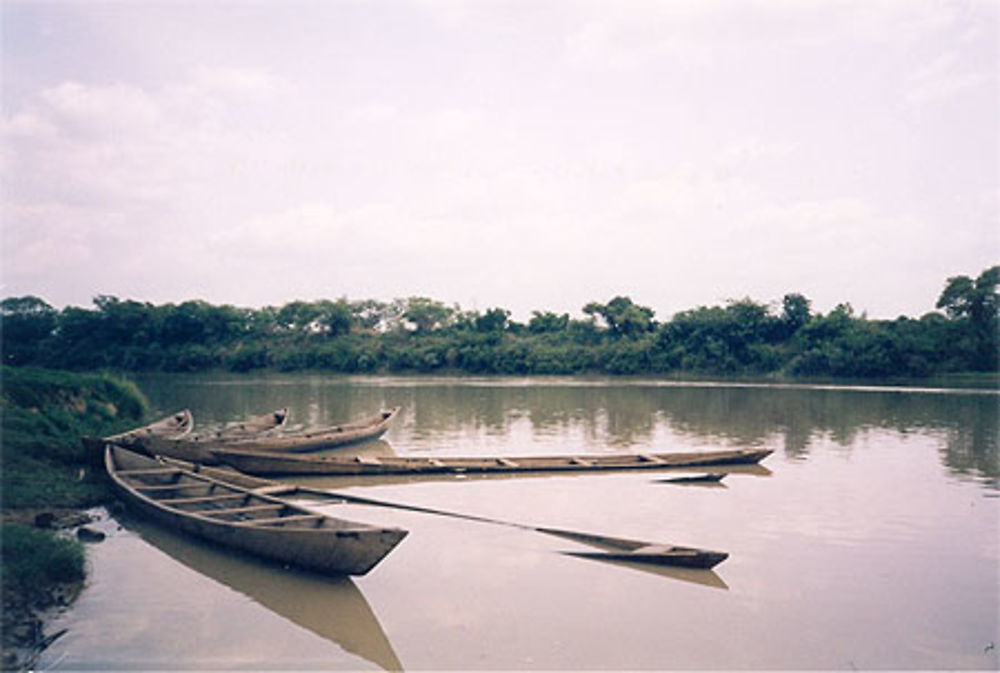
[
  {"x": 199, "y": 448},
  {"x": 249, "y": 509},
  {"x": 328, "y": 545},
  {"x": 291, "y": 518},
  {"x": 267, "y": 463},
  {"x": 616, "y": 548},
  {"x": 203, "y": 498}
]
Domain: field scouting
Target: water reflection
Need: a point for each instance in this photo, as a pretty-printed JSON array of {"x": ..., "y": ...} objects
[
  {"x": 466, "y": 416},
  {"x": 331, "y": 607}
]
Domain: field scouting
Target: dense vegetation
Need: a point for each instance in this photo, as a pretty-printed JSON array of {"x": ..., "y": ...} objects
[
  {"x": 742, "y": 337},
  {"x": 45, "y": 413},
  {"x": 45, "y": 467}
]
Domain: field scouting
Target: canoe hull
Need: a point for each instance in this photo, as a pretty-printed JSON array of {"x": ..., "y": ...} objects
[
  {"x": 365, "y": 430},
  {"x": 341, "y": 547},
  {"x": 263, "y": 463},
  {"x": 200, "y": 448}
]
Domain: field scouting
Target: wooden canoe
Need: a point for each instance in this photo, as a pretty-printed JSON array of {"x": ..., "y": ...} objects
[
  {"x": 639, "y": 551},
  {"x": 244, "y": 518},
  {"x": 200, "y": 448},
  {"x": 173, "y": 426},
  {"x": 272, "y": 463},
  {"x": 254, "y": 426},
  {"x": 336, "y": 436}
]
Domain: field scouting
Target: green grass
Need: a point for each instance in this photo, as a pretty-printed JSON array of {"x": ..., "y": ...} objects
[
  {"x": 34, "y": 558},
  {"x": 44, "y": 415}
]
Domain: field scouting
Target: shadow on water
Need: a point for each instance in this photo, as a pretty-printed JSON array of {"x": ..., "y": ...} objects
[{"x": 330, "y": 607}]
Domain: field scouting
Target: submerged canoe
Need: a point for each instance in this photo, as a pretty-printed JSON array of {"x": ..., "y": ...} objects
[
  {"x": 271, "y": 463},
  {"x": 244, "y": 518},
  {"x": 200, "y": 448}
]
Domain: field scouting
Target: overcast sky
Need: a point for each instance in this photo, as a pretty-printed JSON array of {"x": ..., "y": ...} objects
[{"x": 532, "y": 154}]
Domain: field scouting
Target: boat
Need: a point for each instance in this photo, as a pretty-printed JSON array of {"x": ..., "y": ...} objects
[
  {"x": 173, "y": 426},
  {"x": 200, "y": 448},
  {"x": 245, "y": 518},
  {"x": 276, "y": 463},
  {"x": 639, "y": 551},
  {"x": 363, "y": 430},
  {"x": 255, "y": 426}
]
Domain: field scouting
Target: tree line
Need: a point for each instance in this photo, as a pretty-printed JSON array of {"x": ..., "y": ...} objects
[{"x": 739, "y": 338}]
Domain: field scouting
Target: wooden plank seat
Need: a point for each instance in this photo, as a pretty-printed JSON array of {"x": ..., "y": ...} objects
[
  {"x": 166, "y": 487},
  {"x": 150, "y": 471},
  {"x": 203, "y": 498},
  {"x": 241, "y": 510},
  {"x": 283, "y": 519}
]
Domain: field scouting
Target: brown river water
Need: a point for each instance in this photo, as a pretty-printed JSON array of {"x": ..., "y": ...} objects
[{"x": 868, "y": 540}]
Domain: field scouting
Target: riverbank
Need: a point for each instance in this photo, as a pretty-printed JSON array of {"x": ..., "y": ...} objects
[{"x": 46, "y": 486}]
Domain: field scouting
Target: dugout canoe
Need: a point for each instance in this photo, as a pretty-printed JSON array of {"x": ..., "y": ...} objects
[
  {"x": 200, "y": 448},
  {"x": 253, "y": 427},
  {"x": 639, "y": 551},
  {"x": 363, "y": 430},
  {"x": 246, "y": 519},
  {"x": 174, "y": 426},
  {"x": 274, "y": 463}
]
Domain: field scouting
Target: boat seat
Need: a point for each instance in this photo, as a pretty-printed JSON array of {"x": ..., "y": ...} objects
[
  {"x": 367, "y": 460},
  {"x": 506, "y": 462},
  {"x": 647, "y": 458},
  {"x": 274, "y": 489},
  {"x": 202, "y": 498},
  {"x": 166, "y": 487},
  {"x": 148, "y": 470},
  {"x": 580, "y": 461},
  {"x": 241, "y": 510},
  {"x": 291, "y": 518}
]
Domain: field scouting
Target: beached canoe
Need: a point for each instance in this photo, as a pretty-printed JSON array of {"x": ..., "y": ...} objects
[
  {"x": 200, "y": 448},
  {"x": 363, "y": 430},
  {"x": 173, "y": 426},
  {"x": 273, "y": 463},
  {"x": 244, "y": 518}
]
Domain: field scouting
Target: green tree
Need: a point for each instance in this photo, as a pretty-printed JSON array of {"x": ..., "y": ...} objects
[
  {"x": 427, "y": 314},
  {"x": 24, "y": 323},
  {"x": 547, "y": 322},
  {"x": 795, "y": 312},
  {"x": 977, "y": 303},
  {"x": 623, "y": 317},
  {"x": 494, "y": 320},
  {"x": 335, "y": 317}
]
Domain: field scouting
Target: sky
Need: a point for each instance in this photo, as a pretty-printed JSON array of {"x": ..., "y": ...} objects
[{"x": 526, "y": 154}]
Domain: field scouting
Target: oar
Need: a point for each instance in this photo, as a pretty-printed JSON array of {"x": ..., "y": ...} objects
[{"x": 622, "y": 549}]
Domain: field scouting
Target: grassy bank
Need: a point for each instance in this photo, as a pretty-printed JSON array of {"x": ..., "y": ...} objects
[{"x": 46, "y": 469}]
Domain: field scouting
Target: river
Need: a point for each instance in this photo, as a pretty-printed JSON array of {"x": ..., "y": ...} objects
[{"x": 869, "y": 539}]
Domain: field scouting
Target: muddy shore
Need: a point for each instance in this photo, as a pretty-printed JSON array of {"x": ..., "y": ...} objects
[{"x": 27, "y": 611}]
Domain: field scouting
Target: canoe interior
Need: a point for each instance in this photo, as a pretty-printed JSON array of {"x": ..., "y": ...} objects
[
  {"x": 191, "y": 493},
  {"x": 277, "y": 463}
]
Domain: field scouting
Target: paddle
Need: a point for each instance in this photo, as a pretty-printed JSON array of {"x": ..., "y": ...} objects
[
  {"x": 637, "y": 551},
  {"x": 621, "y": 549}
]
